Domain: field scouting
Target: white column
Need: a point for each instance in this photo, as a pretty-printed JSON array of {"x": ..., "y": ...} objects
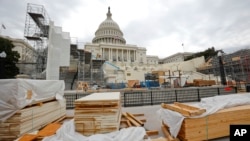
[
  {"x": 134, "y": 55},
  {"x": 129, "y": 55},
  {"x": 103, "y": 53},
  {"x": 117, "y": 54},
  {"x": 122, "y": 56},
  {"x": 109, "y": 54}
]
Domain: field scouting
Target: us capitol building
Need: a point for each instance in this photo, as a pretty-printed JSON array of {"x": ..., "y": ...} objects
[{"x": 128, "y": 61}]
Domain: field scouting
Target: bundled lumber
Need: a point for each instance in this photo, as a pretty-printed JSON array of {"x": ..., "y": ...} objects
[
  {"x": 184, "y": 109},
  {"x": 31, "y": 118},
  {"x": 98, "y": 113},
  {"x": 215, "y": 125},
  {"x": 201, "y": 82}
]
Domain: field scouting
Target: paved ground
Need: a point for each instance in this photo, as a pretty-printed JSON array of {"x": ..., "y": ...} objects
[{"x": 153, "y": 122}]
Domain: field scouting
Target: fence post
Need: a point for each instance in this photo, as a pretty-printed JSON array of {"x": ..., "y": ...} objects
[
  {"x": 236, "y": 89},
  {"x": 198, "y": 92},
  {"x": 124, "y": 99},
  {"x": 176, "y": 98},
  {"x": 218, "y": 89},
  {"x": 151, "y": 97}
]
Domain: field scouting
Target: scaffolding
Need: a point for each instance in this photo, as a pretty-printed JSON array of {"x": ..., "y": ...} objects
[
  {"x": 236, "y": 66},
  {"x": 36, "y": 32}
]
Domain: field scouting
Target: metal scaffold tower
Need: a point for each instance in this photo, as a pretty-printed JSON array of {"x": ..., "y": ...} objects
[{"x": 36, "y": 32}]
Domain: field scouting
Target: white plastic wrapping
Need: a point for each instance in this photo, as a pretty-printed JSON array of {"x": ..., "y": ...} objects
[
  {"x": 212, "y": 104},
  {"x": 67, "y": 133},
  {"x": 13, "y": 94}
]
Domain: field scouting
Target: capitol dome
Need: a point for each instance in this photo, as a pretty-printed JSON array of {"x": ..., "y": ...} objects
[{"x": 109, "y": 32}]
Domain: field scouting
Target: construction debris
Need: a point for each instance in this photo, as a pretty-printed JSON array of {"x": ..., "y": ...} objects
[{"x": 132, "y": 120}]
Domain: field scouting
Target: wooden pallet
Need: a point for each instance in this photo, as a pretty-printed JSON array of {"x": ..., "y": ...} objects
[
  {"x": 30, "y": 119},
  {"x": 98, "y": 113},
  {"x": 215, "y": 125}
]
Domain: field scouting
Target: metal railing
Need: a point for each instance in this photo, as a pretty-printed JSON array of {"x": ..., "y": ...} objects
[{"x": 153, "y": 97}]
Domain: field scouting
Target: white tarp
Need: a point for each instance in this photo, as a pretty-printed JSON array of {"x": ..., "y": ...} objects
[
  {"x": 13, "y": 94},
  {"x": 67, "y": 133},
  {"x": 212, "y": 104}
]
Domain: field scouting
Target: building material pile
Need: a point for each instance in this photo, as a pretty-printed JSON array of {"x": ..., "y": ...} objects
[
  {"x": 135, "y": 120},
  {"x": 98, "y": 113},
  {"x": 28, "y": 105},
  {"x": 201, "y": 82},
  {"x": 215, "y": 125},
  {"x": 31, "y": 118},
  {"x": 49, "y": 130},
  {"x": 133, "y": 83},
  {"x": 198, "y": 125}
]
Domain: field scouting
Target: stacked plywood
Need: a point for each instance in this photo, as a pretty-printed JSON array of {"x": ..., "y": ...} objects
[
  {"x": 215, "y": 125},
  {"x": 98, "y": 113},
  {"x": 31, "y": 118}
]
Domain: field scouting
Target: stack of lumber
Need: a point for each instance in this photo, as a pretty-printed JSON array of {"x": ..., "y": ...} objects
[
  {"x": 201, "y": 82},
  {"x": 215, "y": 125},
  {"x": 133, "y": 83},
  {"x": 212, "y": 126},
  {"x": 185, "y": 110},
  {"x": 98, "y": 113},
  {"x": 31, "y": 118}
]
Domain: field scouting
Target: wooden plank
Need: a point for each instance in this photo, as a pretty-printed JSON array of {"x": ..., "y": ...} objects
[
  {"x": 135, "y": 123},
  {"x": 176, "y": 109},
  {"x": 167, "y": 134},
  {"x": 128, "y": 123},
  {"x": 185, "y": 106},
  {"x": 138, "y": 114},
  {"x": 101, "y": 97},
  {"x": 134, "y": 118},
  {"x": 185, "y": 110},
  {"x": 152, "y": 132},
  {"x": 49, "y": 129},
  {"x": 28, "y": 137}
]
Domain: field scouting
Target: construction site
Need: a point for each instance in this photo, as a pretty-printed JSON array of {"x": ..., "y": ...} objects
[{"x": 105, "y": 91}]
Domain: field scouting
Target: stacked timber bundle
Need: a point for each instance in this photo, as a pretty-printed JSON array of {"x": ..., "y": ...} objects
[
  {"x": 215, "y": 125},
  {"x": 98, "y": 113},
  {"x": 201, "y": 82},
  {"x": 28, "y": 105},
  {"x": 206, "y": 127},
  {"x": 31, "y": 118}
]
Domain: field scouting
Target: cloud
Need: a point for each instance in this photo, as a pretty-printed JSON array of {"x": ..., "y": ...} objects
[{"x": 161, "y": 25}]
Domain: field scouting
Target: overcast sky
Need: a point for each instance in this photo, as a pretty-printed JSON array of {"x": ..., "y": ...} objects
[{"x": 162, "y": 26}]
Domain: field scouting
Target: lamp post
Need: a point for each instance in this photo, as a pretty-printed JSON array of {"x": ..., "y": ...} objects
[
  {"x": 3, "y": 55},
  {"x": 221, "y": 68}
]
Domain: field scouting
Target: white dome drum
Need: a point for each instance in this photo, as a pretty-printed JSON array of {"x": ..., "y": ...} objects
[{"x": 109, "y": 32}]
